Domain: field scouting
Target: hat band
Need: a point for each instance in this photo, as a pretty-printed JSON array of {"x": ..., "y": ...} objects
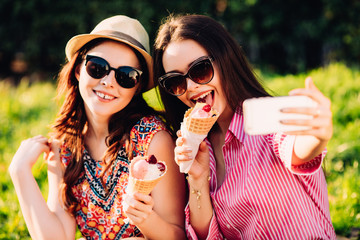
[{"x": 121, "y": 36}]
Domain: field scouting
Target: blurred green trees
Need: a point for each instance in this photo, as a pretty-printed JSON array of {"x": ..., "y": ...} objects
[{"x": 285, "y": 36}]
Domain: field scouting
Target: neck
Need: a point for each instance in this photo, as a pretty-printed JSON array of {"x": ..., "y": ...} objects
[
  {"x": 95, "y": 136},
  {"x": 224, "y": 120},
  {"x": 98, "y": 129}
]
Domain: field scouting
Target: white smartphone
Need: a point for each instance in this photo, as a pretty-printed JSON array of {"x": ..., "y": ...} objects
[{"x": 262, "y": 115}]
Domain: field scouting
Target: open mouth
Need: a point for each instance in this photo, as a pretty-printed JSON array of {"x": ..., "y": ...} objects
[
  {"x": 104, "y": 96},
  {"x": 205, "y": 97}
]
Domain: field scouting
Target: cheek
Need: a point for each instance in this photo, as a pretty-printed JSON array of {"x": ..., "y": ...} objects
[{"x": 128, "y": 94}]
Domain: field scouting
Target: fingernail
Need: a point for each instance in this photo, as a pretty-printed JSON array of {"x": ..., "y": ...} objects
[{"x": 189, "y": 149}]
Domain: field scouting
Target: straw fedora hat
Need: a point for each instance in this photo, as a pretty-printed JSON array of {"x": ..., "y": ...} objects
[{"x": 119, "y": 28}]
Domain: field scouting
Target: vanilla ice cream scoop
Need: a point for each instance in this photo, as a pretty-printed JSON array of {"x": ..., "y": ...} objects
[{"x": 146, "y": 168}]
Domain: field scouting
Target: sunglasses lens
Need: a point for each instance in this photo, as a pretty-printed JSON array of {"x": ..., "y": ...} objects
[
  {"x": 202, "y": 72},
  {"x": 127, "y": 77},
  {"x": 97, "y": 68},
  {"x": 175, "y": 85}
]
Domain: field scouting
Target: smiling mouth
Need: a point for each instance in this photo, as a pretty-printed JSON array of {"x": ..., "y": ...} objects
[
  {"x": 104, "y": 96},
  {"x": 206, "y": 97}
]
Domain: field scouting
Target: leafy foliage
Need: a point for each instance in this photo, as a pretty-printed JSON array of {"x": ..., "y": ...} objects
[{"x": 305, "y": 33}]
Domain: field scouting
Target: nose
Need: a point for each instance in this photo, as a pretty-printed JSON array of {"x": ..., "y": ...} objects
[
  {"x": 190, "y": 84},
  {"x": 109, "y": 80}
]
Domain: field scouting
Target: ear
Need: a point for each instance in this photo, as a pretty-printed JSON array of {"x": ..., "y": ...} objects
[{"x": 77, "y": 71}]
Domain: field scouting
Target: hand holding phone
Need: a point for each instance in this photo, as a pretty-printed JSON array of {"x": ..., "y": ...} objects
[{"x": 263, "y": 115}]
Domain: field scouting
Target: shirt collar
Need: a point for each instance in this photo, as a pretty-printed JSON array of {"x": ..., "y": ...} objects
[{"x": 237, "y": 126}]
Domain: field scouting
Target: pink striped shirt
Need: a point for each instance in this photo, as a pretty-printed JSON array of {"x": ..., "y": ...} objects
[{"x": 263, "y": 196}]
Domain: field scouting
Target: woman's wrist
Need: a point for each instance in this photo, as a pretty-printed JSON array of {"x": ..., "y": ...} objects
[
  {"x": 199, "y": 181},
  {"x": 199, "y": 187},
  {"x": 15, "y": 169}
]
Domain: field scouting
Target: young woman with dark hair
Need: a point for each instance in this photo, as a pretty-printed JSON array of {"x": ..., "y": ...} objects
[
  {"x": 241, "y": 186},
  {"x": 102, "y": 125}
]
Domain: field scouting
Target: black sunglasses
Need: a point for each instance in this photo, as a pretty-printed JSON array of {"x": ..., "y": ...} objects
[
  {"x": 126, "y": 77},
  {"x": 201, "y": 71}
]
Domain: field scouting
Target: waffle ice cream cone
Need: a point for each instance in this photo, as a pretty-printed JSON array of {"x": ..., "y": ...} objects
[
  {"x": 197, "y": 125},
  {"x": 143, "y": 185},
  {"x": 195, "y": 128}
]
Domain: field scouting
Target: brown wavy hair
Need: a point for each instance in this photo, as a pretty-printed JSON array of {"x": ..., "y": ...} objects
[
  {"x": 71, "y": 122},
  {"x": 237, "y": 77}
]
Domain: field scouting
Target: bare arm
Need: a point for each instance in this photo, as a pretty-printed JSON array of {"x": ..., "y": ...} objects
[
  {"x": 162, "y": 215},
  {"x": 201, "y": 210},
  {"x": 42, "y": 221}
]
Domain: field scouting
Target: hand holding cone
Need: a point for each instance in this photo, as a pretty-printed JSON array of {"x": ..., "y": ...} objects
[{"x": 195, "y": 127}]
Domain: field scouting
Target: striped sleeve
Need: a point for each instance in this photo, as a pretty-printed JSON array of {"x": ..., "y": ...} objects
[
  {"x": 214, "y": 232},
  {"x": 283, "y": 146}
]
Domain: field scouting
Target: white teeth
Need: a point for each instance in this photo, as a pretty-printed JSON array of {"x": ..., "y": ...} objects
[
  {"x": 202, "y": 95},
  {"x": 104, "y": 96}
]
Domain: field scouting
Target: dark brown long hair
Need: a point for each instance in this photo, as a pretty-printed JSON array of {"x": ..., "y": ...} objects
[
  {"x": 237, "y": 77},
  {"x": 71, "y": 122}
]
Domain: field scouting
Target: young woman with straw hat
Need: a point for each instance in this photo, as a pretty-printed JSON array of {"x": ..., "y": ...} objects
[{"x": 103, "y": 123}]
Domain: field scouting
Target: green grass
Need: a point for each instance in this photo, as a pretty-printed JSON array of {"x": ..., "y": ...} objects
[{"x": 29, "y": 109}]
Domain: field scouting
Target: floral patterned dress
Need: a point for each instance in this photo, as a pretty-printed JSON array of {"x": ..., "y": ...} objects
[{"x": 99, "y": 214}]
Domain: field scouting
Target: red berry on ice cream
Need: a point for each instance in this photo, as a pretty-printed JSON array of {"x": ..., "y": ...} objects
[
  {"x": 207, "y": 108},
  {"x": 161, "y": 166},
  {"x": 152, "y": 159}
]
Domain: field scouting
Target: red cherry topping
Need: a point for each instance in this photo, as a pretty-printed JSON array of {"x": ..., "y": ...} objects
[
  {"x": 161, "y": 166},
  {"x": 207, "y": 108},
  {"x": 152, "y": 159}
]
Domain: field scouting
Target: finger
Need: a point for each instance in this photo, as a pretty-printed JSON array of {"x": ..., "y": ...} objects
[
  {"x": 46, "y": 156},
  {"x": 139, "y": 205},
  {"x": 147, "y": 199},
  {"x": 310, "y": 90},
  {"x": 318, "y": 133},
  {"x": 178, "y": 133},
  {"x": 313, "y": 123},
  {"x": 134, "y": 218},
  {"x": 182, "y": 158},
  {"x": 40, "y": 143},
  {"x": 40, "y": 138},
  {"x": 37, "y": 137},
  {"x": 309, "y": 84},
  {"x": 179, "y": 141},
  {"x": 315, "y": 112},
  {"x": 54, "y": 143},
  {"x": 183, "y": 150},
  {"x": 203, "y": 147},
  {"x": 140, "y": 210},
  {"x": 141, "y": 213}
]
